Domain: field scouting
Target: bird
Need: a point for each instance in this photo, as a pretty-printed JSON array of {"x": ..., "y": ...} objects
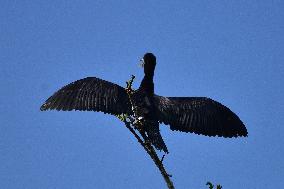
[{"x": 199, "y": 115}]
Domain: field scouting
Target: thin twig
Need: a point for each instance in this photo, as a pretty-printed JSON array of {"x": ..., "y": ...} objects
[{"x": 145, "y": 142}]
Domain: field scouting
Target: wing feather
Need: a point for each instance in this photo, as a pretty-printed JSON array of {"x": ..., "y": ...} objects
[
  {"x": 90, "y": 94},
  {"x": 198, "y": 115}
]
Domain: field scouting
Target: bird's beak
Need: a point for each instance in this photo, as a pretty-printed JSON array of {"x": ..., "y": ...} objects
[{"x": 142, "y": 63}]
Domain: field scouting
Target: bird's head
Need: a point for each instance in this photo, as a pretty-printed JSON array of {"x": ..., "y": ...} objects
[{"x": 149, "y": 63}]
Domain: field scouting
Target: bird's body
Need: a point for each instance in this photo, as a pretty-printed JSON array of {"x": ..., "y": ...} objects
[
  {"x": 143, "y": 101},
  {"x": 198, "y": 115}
]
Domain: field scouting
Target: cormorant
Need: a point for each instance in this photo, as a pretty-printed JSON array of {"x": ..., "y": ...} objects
[{"x": 199, "y": 115}]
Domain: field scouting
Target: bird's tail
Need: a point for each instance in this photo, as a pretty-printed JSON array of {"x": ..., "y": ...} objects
[{"x": 153, "y": 132}]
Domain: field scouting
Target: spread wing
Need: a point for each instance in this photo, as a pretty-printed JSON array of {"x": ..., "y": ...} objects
[
  {"x": 90, "y": 94},
  {"x": 198, "y": 115}
]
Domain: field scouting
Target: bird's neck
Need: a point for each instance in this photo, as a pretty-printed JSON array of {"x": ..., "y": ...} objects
[{"x": 147, "y": 84}]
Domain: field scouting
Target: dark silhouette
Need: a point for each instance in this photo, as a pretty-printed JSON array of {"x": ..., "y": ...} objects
[
  {"x": 198, "y": 115},
  {"x": 211, "y": 186}
]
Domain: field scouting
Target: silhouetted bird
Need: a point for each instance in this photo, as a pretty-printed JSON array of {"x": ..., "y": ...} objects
[{"x": 198, "y": 115}]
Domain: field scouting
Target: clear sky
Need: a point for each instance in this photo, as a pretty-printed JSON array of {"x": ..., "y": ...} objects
[{"x": 231, "y": 51}]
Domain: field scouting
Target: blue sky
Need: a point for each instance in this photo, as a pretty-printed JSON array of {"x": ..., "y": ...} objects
[{"x": 231, "y": 51}]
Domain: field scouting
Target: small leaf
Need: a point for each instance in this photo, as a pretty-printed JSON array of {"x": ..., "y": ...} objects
[{"x": 210, "y": 185}]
